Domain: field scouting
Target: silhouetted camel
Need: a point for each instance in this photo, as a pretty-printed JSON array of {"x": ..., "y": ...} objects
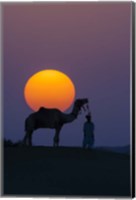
[{"x": 51, "y": 118}]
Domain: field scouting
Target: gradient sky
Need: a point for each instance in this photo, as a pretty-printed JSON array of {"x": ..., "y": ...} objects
[{"x": 90, "y": 42}]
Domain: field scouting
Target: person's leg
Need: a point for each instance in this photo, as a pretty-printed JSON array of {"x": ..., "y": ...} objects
[
  {"x": 89, "y": 146},
  {"x": 84, "y": 143},
  {"x": 90, "y": 143}
]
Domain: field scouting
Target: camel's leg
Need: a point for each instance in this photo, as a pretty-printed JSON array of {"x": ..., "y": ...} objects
[
  {"x": 25, "y": 138},
  {"x": 56, "y": 137},
  {"x": 30, "y": 138}
]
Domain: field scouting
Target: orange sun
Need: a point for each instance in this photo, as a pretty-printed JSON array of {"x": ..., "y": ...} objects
[{"x": 50, "y": 89}]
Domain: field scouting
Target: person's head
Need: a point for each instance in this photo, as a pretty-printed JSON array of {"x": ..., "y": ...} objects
[{"x": 88, "y": 117}]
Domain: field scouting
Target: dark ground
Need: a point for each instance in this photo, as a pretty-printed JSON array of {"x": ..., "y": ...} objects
[{"x": 63, "y": 171}]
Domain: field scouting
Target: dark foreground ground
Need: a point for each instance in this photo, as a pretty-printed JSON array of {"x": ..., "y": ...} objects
[{"x": 45, "y": 171}]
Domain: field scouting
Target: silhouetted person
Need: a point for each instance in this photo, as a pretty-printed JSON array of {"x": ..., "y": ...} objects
[{"x": 88, "y": 140}]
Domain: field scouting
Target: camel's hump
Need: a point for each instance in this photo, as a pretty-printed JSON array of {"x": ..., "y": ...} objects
[{"x": 43, "y": 109}]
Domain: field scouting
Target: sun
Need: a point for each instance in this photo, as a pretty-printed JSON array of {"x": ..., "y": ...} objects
[{"x": 50, "y": 89}]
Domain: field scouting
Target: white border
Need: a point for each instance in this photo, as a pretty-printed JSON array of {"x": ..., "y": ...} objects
[
  {"x": 12, "y": 1},
  {"x": 36, "y": 1}
]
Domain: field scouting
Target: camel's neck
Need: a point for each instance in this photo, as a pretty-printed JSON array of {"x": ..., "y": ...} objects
[
  {"x": 67, "y": 118},
  {"x": 71, "y": 116}
]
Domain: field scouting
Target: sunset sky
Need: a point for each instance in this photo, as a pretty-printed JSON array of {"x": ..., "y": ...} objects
[{"x": 90, "y": 42}]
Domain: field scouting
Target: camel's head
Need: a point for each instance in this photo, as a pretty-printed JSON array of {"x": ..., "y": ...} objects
[{"x": 79, "y": 103}]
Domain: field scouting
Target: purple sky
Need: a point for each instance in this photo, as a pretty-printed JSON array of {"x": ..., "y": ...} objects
[{"x": 90, "y": 42}]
